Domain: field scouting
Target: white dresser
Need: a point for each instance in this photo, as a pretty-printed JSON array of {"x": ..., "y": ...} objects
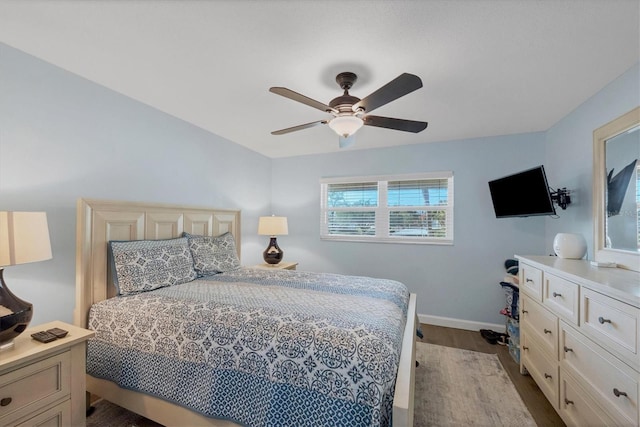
[{"x": 580, "y": 338}]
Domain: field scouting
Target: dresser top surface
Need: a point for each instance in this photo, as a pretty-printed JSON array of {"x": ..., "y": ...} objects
[{"x": 615, "y": 282}]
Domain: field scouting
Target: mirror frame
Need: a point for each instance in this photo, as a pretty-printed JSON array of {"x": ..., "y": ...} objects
[{"x": 624, "y": 259}]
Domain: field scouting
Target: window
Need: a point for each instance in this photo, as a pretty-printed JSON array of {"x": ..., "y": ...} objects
[{"x": 415, "y": 208}]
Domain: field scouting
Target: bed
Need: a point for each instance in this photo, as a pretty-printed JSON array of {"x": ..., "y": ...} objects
[{"x": 276, "y": 378}]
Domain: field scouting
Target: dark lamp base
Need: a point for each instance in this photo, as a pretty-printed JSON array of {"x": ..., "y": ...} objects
[
  {"x": 273, "y": 254},
  {"x": 17, "y": 317}
]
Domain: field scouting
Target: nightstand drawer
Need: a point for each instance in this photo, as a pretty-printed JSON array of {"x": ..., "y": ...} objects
[
  {"x": 614, "y": 324},
  {"x": 58, "y": 416},
  {"x": 27, "y": 389}
]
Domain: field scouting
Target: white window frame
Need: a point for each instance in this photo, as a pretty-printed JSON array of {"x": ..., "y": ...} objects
[
  {"x": 382, "y": 210},
  {"x": 638, "y": 203}
]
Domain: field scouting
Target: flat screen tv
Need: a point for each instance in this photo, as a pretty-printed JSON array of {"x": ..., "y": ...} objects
[{"x": 524, "y": 193}]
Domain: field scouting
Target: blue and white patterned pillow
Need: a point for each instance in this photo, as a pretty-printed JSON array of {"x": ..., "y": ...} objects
[
  {"x": 213, "y": 255},
  {"x": 144, "y": 265}
]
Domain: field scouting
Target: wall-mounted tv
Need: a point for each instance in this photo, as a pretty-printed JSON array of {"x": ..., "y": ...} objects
[{"x": 524, "y": 193}]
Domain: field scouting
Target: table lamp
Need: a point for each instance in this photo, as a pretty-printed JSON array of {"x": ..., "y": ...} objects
[
  {"x": 24, "y": 238},
  {"x": 273, "y": 226}
]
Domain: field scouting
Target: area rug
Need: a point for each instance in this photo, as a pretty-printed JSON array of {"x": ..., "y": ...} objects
[
  {"x": 457, "y": 387},
  {"x": 454, "y": 388}
]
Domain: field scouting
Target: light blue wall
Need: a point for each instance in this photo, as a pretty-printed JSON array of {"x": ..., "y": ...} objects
[
  {"x": 63, "y": 137},
  {"x": 459, "y": 281},
  {"x": 569, "y": 152}
]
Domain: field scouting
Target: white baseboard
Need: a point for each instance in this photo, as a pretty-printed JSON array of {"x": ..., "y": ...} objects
[{"x": 460, "y": 323}]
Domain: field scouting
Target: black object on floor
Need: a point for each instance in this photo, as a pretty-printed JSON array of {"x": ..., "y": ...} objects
[{"x": 493, "y": 337}]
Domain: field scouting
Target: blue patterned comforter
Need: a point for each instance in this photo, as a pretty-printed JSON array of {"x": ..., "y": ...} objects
[{"x": 259, "y": 347}]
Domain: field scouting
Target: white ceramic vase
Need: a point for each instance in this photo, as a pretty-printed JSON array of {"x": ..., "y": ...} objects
[{"x": 570, "y": 245}]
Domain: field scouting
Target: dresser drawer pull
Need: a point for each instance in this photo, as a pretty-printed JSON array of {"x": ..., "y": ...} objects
[
  {"x": 547, "y": 375},
  {"x": 568, "y": 402},
  {"x": 525, "y": 348},
  {"x": 567, "y": 349},
  {"x": 602, "y": 320},
  {"x": 524, "y": 311},
  {"x": 529, "y": 280},
  {"x": 619, "y": 393},
  {"x": 555, "y": 294},
  {"x": 547, "y": 331},
  {"x": 7, "y": 400}
]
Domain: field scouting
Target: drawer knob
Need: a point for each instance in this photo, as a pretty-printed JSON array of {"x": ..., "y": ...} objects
[
  {"x": 555, "y": 294},
  {"x": 619, "y": 393},
  {"x": 547, "y": 375},
  {"x": 525, "y": 348},
  {"x": 524, "y": 311},
  {"x": 529, "y": 280},
  {"x": 7, "y": 400},
  {"x": 568, "y": 402},
  {"x": 567, "y": 349},
  {"x": 547, "y": 331},
  {"x": 602, "y": 320}
]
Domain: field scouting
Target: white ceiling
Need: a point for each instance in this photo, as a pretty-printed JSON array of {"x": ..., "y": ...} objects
[{"x": 489, "y": 67}]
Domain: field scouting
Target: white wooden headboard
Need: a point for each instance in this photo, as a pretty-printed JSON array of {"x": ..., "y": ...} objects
[{"x": 99, "y": 221}]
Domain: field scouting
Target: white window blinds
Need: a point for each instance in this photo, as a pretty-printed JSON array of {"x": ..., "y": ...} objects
[{"x": 414, "y": 208}]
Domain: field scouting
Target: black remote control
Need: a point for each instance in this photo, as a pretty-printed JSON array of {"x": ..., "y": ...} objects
[
  {"x": 59, "y": 333},
  {"x": 44, "y": 336}
]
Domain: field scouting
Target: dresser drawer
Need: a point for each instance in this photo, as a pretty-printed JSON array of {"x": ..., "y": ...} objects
[
  {"x": 537, "y": 320},
  {"x": 27, "y": 389},
  {"x": 612, "y": 323},
  {"x": 612, "y": 383},
  {"x": 579, "y": 409},
  {"x": 561, "y": 296},
  {"x": 531, "y": 281},
  {"x": 542, "y": 368}
]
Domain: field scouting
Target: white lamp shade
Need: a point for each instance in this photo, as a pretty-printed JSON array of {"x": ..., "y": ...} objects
[
  {"x": 273, "y": 226},
  {"x": 346, "y": 125},
  {"x": 24, "y": 237}
]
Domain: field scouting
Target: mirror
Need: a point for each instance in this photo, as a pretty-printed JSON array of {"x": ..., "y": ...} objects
[{"x": 616, "y": 191}]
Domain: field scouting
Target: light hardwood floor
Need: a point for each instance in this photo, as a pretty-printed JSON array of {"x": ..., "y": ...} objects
[{"x": 536, "y": 402}]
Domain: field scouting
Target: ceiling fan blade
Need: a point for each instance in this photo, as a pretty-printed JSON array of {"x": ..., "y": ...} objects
[
  {"x": 396, "y": 124},
  {"x": 396, "y": 88},
  {"x": 346, "y": 142},
  {"x": 288, "y": 93},
  {"x": 299, "y": 127}
]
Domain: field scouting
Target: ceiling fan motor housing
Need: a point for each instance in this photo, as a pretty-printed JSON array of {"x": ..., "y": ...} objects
[
  {"x": 343, "y": 103},
  {"x": 346, "y": 80}
]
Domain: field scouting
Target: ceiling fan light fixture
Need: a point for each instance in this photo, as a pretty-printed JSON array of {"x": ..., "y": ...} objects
[{"x": 346, "y": 125}]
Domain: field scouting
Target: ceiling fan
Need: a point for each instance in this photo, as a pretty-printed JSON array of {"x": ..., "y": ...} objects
[{"x": 351, "y": 113}]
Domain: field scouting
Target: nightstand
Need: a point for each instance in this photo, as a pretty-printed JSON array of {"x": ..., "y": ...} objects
[
  {"x": 279, "y": 266},
  {"x": 44, "y": 383}
]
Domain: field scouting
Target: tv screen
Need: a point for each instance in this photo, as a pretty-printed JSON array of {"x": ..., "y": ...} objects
[{"x": 525, "y": 193}]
